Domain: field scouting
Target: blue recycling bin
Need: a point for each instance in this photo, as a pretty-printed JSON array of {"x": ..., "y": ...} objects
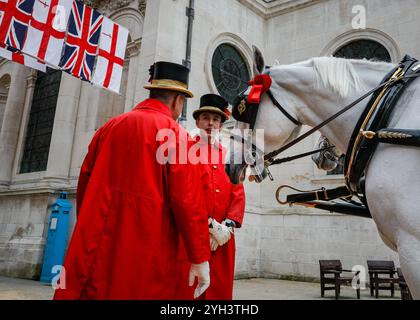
[{"x": 56, "y": 238}]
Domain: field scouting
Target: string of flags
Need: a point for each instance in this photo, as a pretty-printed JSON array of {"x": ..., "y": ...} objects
[{"x": 66, "y": 35}]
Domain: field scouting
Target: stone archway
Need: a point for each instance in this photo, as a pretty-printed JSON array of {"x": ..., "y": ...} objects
[{"x": 369, "y": 34}]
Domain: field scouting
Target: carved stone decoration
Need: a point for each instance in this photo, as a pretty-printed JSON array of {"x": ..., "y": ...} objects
[
  {"x": 92, "y": 3},
  {"x": 111, "y": 5},
  {"x": 31, "y": 78},
  {"x": 272, "y": 8},
  {"x": 142, "y": 7},
  {"x": 133, "y": 48}
]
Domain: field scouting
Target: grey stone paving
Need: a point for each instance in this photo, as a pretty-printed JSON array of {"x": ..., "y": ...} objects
[
  {"x": 18, "y": 289},
  {"x": 252, "y": 289},
  {"x": 267, "y": 289}
]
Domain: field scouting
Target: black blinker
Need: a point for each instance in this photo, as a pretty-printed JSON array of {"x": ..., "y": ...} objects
[{"x": 244, "y": 111}]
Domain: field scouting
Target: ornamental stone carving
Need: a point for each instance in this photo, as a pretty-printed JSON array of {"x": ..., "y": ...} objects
[
  {"x": 142, "y": 7},
  {"x": 112, "y": 5}
]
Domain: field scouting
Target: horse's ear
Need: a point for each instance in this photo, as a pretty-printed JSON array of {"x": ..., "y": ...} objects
[{"x": 259, "y": 64}]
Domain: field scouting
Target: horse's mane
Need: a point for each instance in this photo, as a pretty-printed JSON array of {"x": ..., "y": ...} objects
[{"x": 340, "y": 74}]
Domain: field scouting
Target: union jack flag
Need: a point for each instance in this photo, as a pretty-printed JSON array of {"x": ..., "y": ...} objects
[
  {"x": 14, "y": 19},
  {"x": 82, "y": 41},
  {"x": 47, "y": 30}
]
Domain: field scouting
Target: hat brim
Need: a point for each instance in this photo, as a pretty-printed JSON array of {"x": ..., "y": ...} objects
[
  {"x": 180, "y": 89},
  {"x": 197, "y": 113}
]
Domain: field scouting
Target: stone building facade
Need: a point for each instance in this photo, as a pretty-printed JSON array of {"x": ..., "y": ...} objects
[{"x": 275, "y": 241}]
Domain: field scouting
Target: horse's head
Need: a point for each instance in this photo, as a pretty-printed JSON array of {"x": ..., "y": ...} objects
[
  {"x": 281, "y": 98},
  {"x": 328, "y": 159},
  {"x": 259, "y": 109}
]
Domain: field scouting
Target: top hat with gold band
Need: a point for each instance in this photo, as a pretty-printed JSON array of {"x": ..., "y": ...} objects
[
  {"x": 169, "y": 76},
  {"x": 213, "y": 103}
]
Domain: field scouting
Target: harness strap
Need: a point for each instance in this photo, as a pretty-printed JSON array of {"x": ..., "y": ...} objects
[
  {"x": 335, "y": 116},
  {"x": 306, "y": 154},
  {"x": 322, "y": 195},
  {"x": 343, "y": 208},
  {"x": 269, "y": 158},
  {"x": 375, "y": 117},
  {"x": 278, "y": 105},
  {"x": 396, "y": 75}
]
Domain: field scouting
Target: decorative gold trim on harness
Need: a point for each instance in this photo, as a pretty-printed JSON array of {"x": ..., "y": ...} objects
[
  {"x": 399, "y": 74},
  {"x": 385, "y": 135},
  {"x": 242, "y": 107},
  {"x": 368, "y": 134},
  {"x": 393, "y": 135}
]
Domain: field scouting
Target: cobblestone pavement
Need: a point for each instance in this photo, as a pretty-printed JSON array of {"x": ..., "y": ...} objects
[{"x": 252, "y": 289}]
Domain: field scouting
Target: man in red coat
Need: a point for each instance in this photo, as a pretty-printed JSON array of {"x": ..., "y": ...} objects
[
  {"x": 225, "y": 201},
  {"x": 134, "y": 204}
]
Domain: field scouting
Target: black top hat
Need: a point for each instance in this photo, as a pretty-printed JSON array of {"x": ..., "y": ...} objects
[
  {"x": 169, "y": 76},
  {"x": 215, "y": 104}
]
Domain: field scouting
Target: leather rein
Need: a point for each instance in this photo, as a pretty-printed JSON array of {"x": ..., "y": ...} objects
[{"x": 270, "y": 157}]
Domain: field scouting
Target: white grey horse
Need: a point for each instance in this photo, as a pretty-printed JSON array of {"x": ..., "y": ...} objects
[{"x": 312, "y": 91}]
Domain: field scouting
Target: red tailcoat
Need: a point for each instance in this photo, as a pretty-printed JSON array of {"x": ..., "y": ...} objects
[
  {"x": 224, "y": 201},
  {"x": 132, "y": 212}
]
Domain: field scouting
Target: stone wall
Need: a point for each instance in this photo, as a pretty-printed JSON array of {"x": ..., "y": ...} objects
[
  {"x": 319, "y": 29},
  {"x": 289, "y": 245},
  {"x": 24, "y": 224}
]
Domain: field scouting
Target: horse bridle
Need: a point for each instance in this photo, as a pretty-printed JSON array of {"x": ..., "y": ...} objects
[
  {"x": 257, "y": 153},
  {"x": 278, "y": 105},
  {"x": 269, "y": 158}
]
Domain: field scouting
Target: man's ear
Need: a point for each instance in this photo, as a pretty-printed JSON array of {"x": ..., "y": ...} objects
[
  {"x": 181, "y": 98},
  {"x": 174, "y": 101}
]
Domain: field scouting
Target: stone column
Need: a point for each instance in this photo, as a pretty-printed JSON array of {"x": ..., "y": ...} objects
[
  {"x": 134, "y": 56},
  {"x": 11, "y": 123},
  {"x": 63, "y": 131},
  {"x": 85, "y": 126},
  {"x": 164, "y": 38},
  {"x": 3, "y": 100}
]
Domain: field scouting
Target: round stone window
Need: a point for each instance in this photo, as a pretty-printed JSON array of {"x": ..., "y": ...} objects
[{"x": 230, "y": 72}]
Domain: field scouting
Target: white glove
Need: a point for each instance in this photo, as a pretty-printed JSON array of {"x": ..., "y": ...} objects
[
  {"x": 202, "y": 272},
  {"x": 213, "y": 243},
  {"x": 220, "y": 232}
]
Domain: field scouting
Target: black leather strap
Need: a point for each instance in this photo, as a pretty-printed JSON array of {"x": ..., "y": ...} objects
[
  {"x": 278, "y": 105},
  {"x": 275, "y": 153},
  {"x": 378, "y": 121},
  {"x": 323, "y": 195}
]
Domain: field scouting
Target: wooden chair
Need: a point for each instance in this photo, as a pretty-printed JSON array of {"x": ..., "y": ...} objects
[
  {"x": 330, "y": 274},
  {"x": 381, "y": 276},
  {"x": 405, "y": 291}
]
